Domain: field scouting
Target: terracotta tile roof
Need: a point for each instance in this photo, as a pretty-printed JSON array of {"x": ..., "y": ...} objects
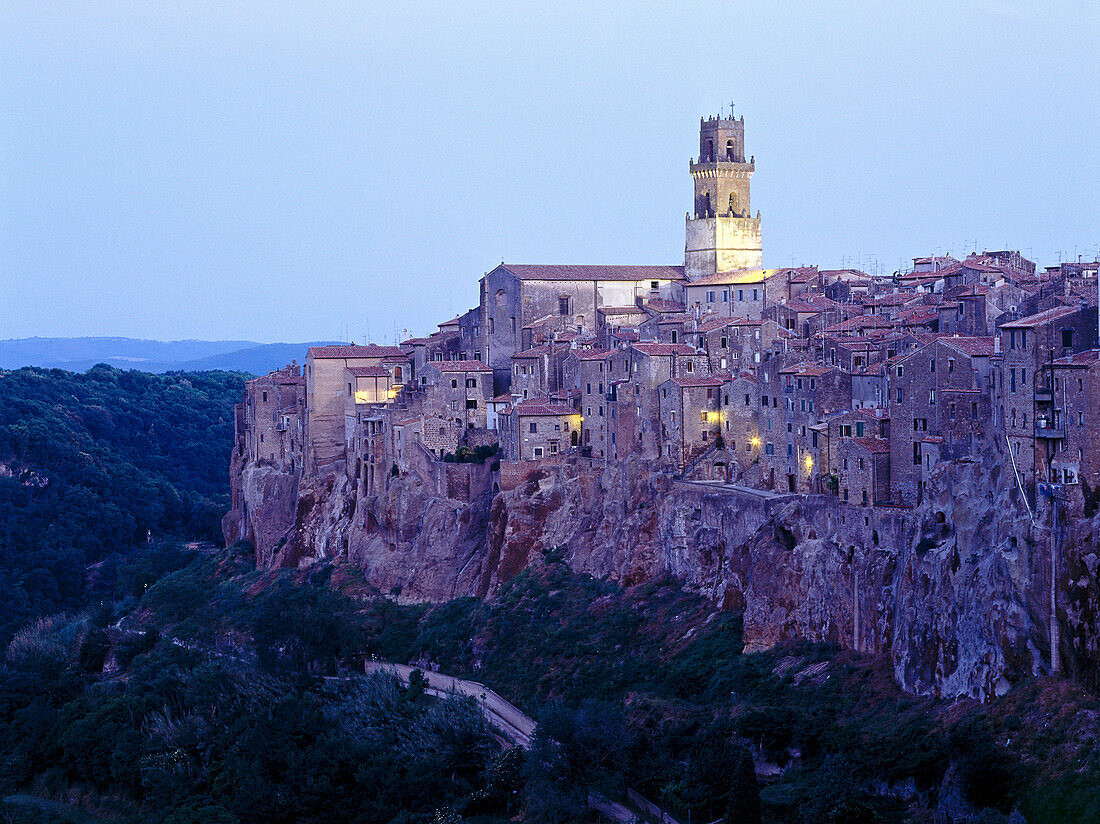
[
  {"x": 525, "y": 271},
  {"x": 541, "y": 406},
  {"x": 860, "y": 322},
  {"x": 662, "y": 305},
  {"x": 369, "y": 351},
  {"x": 918, "y": 316},
  {"x": 505, "y": 398},
  {"x": 533, "y": 352},
  {"x": 626, "y": 334},
  {"x": 663, "y": 349},
  {"x": 802, "y": 306},
  {"x": 689, "y": 383},
  {"x": 1079, "y": 358},
  {"x": 892, "y": 299},
  {"x": 407, "y": 421},
  {"x": 710, "y": 324},
  {"x": 367, "y": 371},
  {"x": 857, "y": 344},
  {"x": 451, "y": 322},
  {"x": 981, "y": 346},
  {"x": 806, "y": 368},
  {"x": 976, "y": 290},
  {"x": 460, "y": 366},
  {"x": 879, "y": 446},
  {"x": 592, "y": 354},
  {"x": 402, "y": 358},
  {"x": 621, "y": 310},
  {"x": 1042, "y": 317},
  {"x": 735, "y": 276},
  {"x": 414, "y": 342}
]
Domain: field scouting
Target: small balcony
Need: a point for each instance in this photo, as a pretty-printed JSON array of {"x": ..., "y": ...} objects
[
  {"x": 1044, "y": 395},
  {"x": 1048, "y": 429}
]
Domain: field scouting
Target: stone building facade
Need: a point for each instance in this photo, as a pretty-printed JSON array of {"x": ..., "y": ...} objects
[
  {"x": 458, "y": 391},
  {"x": 1026, "y": 410},
  {"x": 271, "y": 426},
  {"x": 690, "y": 413},
  {"x": 540, "y": 429}
]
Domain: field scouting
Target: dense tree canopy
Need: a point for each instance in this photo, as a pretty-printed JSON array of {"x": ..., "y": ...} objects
[{"x": 94, "y": 464}]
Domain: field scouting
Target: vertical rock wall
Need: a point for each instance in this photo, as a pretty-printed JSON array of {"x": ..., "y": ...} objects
[{"x": 955, "y": 591}]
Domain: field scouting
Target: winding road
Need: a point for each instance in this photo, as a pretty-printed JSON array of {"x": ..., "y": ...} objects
[{"x": 515, "y": 728}]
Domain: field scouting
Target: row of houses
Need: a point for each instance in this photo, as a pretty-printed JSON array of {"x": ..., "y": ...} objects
[{"x": 864, "y": 407}]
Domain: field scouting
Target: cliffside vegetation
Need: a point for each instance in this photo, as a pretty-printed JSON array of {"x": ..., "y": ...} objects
[
  {"x": 95, "y": 464},
  {"x": 144, "y": 681}
]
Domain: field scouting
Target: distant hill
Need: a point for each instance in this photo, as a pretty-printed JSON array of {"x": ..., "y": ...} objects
[{"x": 79, "y": 354}]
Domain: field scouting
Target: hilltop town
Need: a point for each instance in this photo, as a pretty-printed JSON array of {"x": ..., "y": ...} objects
[
  {"x": 857, "y": 395},
  {"x": 799, "y": 379}
]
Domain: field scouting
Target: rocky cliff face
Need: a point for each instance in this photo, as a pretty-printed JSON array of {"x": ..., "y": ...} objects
[{"x": 957, "y": 592}]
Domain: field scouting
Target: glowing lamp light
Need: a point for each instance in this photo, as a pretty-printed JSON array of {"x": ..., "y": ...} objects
[
  {"x": 809, "y": 463},
  {"x": 754, "y": 441}
]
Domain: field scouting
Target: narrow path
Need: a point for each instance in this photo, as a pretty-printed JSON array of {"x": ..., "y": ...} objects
[
  {"x": 517, "y": 729},
  {"x": 512, "y": 724}
]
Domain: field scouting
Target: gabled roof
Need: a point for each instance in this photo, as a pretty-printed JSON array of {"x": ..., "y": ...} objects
[
  {"x": 734, "y": 276},
  {"x": 806, "y": 368},
  {"x": 689, "y": 383},
  {"x": 1040, "y": 318},
  {"x": 592, "y": 354},
  {"x": 709, "y": 324},
  {"x": 879, "y": 446},
  {"x": 861, "y": 322},
  {"x": 1079, "y": 358},
  {"x": 542, "y": 407},
  {"x": 526, "y": 271},
  {"x": 533, "y": 352},
  {"x": 802, "y": 306},
  {"x": 460, "y": 366},
  {"x": 371, "y": 350},
  {"x": 662, "y": 305},
  {"x": 663, "y": 349},
  {"x": 976, "y": 347}
]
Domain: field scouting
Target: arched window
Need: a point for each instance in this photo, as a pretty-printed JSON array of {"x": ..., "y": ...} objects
[
  {"x": 729, "y": 150},
  {"x": 397, "y": 373},
  {"x": 710, "y": 150}
]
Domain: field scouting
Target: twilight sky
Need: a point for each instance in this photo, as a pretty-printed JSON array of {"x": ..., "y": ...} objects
[{"x": 286, "y": 171}]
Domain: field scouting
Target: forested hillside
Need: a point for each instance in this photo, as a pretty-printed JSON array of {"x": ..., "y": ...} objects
[{"x": 94, "y": 464}]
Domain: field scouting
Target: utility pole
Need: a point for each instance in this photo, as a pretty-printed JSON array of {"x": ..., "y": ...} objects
[{"x": 1055, "y": 629}]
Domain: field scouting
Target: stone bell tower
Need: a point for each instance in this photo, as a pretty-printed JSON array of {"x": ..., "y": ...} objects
[{"x": 721, "y": 232}]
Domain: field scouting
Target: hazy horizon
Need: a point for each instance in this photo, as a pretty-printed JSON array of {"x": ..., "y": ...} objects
[{"x": 275, "y": 173}]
